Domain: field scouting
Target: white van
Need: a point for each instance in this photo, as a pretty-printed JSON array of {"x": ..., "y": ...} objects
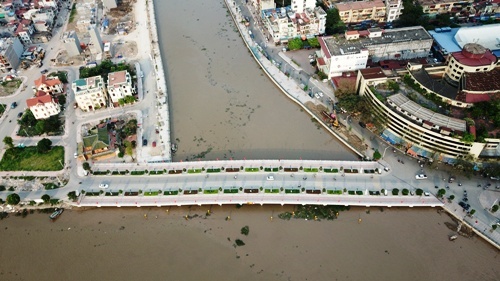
[{"x": 270, "y": 178}]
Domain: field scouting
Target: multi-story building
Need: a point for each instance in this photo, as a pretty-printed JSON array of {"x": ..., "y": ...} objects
[
  {"x": 95, "y": 39},
  {"x": 472, "y": 58},
  {"x": 352, "y": 51},
  {"x": 43, "y": 19},
  {"x": 25, "y": 31},
  {"x": 355, "y": 12},
  {"x": 421, "y": 132},
  {"x": 394, "y": 9},
  {"x": 90, "y": 93},
  {"x": 11, "y": 49},
  {"x": 119, "y": 85},
  {"x": 284, "y": 24},
  {"x": 299, "y": 6},
  {"x": 444, "y": 6},
  {"x": 48, "y": 3},
  {"x": 71, "y": 43},
  {"x": 263, "y": 5},
  {"x": 51, "y": 86},
  {"x": 109, "y": 4},
  {"x": 43, "y": 105}
]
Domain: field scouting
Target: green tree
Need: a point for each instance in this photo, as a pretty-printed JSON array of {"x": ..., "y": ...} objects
[
  {"x": 72, "y": 195},
  {"x": 395, "y": 191},
  {"x": 129, "y": 150},
  {"x": 44, "y": 145},
  {"x": 129, "y": 99},
  {"x": 13, "y": 199},
  {"x": 377, "y": 155},
  {"x": 8, "y": 141},
  {"x": 468, "y": 138},
  {"x": 494, "y": 208},
  {"x": 46, "y": 198},
  {"x": 86, "y": 166},
  {"x": 441, "y": 192},
  {"x": 295, "y": 44},
  {"x": 451, "y": 197},
  {"x": 61, "y": 99},
  {"x": 313, "y": 42},
  {"x": 121, "y": 102},
  {"x": 412, "y": 15},
  {"x": 472, "y": 212},
  {"x": 333, "y": 23}
]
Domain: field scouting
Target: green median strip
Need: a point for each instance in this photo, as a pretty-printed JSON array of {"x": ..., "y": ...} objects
[
  {"x": 175, "y": 192},
  {"x": 194, "y": 171},
  {"x": 211, "y": 191},
  {"x": 268, "y": 190},
  {"x": 234, "y": 190},
  {"x": 251, "y": 169}
]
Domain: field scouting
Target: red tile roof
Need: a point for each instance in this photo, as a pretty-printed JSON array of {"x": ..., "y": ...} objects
[
  {"x": 372, "y": 73},
  {"x": 482, "y": 81},
  {"x": 475, "y": 55},
  {"x": 49, "y": 82},
  {"x": 37, "y": 100}
]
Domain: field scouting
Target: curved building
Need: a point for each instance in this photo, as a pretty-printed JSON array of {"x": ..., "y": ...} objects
[{"x": 472, "y": 58}]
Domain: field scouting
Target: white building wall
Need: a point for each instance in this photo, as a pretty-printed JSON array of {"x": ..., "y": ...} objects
[
  {"x": 344, "y": 63},
  {"x": 299, "y": 6},
  {"x": 44, "y": 111}
]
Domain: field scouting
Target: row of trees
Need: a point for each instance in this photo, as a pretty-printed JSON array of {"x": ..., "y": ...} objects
[{"x": 43, "y": 146}]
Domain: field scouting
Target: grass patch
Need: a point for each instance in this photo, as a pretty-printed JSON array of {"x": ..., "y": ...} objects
[
  {"x": 99, "y": 173},
  {"x": 292, "y": 190},
  {"x": 211, "y": 191},
  {"x": 331, "y": 170},
  {"x": 351, "y": 192},
  {"x": 311, "y": 170},
  {"x": 92, "y": 193},
  {"x": 173, "y": 192},
  {"x": 351, "y": 171},
  {"x": 114, "y": 173},
  {"x": 137, "y": 173},
  {"x": 233, "y": 190},
  {"x": 213, "y": 170},
  {"x": 336, "y": 192},
  {"x": 359, "y": 192},
  {"x": 274, "y": 190},
  {"x": 156, "y": 172},
  {"x": 271, "y": 169},
  {"x": 28, "y": 159},
  {"x": 72, "y": 14},
  {"x": 111, "y": 194},
  {"x": 251, "y": 169},
  {"x": 194, "y": 171}
]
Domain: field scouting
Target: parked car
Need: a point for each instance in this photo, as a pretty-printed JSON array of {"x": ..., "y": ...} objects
[
  {"x": 103, "y": 185},
  {"x": 362, "y": 125},
  {"x": 19, "y": 115},
  {"x": 427, "y": 193},
  {"x": 144, "y": 142},
  {"x": 13, "y": 105},
  {"x": 44, "y": 71},
  {"x": 421, "y": 177},
  {"x": 154, "y": 144},
  {"x": 270, "y": 178}
]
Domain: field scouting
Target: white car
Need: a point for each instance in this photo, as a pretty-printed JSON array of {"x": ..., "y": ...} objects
[
  {"x": 270, "y": 178},
  {"x": 427, "y": 193},
  {"x": 75, "y": 155},
  {"x": 420, "y": 177},
  {"x": 103, "y": 185}
]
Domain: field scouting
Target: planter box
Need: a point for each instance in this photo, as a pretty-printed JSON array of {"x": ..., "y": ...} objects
[
  {"x": 292, "y": 190},
  {"x": 131, "y": 193},
  {"x": 331, "y": 170},
  {"x": 156, "y": 172},
  {"x": 336, "y": 192},
  {"x": 251, "y": 190},
  {"x": 276, "y": 190},
  {"x": 374, "y": 192},
  {"x": 213, "y": 170},
  {"x": 369, "y": 171},
  {"x": 291, "y": 169},
  {"x": 251, "y": 169},
  {"x": 235, "y": 190},
  {"x": 174, "y": 192},
  {"x": 173, "y": 172},
  {"x": 313, "y": 191},
  {"x": 111, "y": 194},
  {"x": 211, "y": 191},
  {"x": 137, "y": 173},
  {"x": 194, "y": 171},
  {"x": 151, "y": 193},
  {"x": 232, "y": 170},
  {"x": 190, "y": 192},
  {"x": 311, "y": 170}
]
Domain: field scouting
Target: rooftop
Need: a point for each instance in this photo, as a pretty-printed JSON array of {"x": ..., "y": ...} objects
[
  {"x": 482, "y": 81},
  {"x": 475, "y": 55},
  {"x": 38, "y": 100},
  {"x": 115, "y": 78},
  {"x": 360, "y": 5},
  {"x": 485, "y": 35},
  {"x": 373, "y": 73},
  {"x": 440, "y": 87},
  {"x": 427, "y": 115},
  {"x": 49, "y": 82},
  {"x": 342, "y": 46}
]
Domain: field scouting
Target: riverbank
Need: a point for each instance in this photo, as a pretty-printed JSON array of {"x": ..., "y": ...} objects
[{"x": 131, "y": 243}]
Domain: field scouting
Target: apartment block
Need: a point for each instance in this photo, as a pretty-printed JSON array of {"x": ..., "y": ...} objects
[
  {"x": 11, "y": 49},
  {"x": 356, "y": 12},
  {"x": 90, "y": 93}
]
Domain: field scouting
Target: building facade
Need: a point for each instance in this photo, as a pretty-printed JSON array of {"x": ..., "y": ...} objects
[
  {"x": 420, "y": 131},
  {"x": 119, "y": 85},
  {"x": 11, "y": 50},
  {"x": 71, "y": 43},
  {"x": 43, "y": 105},
  {"x": 25, "y": 31},
  {"x": 300, "y": 6},
  {"x": 90, "y": 93},
  {"x": 394, "y": 9},
  {"x": 50, "y": 86},
  {"x": 284, "y": 24},
  {"x": 95, "y": 39},
  {"x": 356, "y": 12},
  {"x": 351, "y": 52}
]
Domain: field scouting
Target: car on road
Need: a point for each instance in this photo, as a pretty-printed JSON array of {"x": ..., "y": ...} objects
[
  {"x": 270, "y": 178},
  {"x": 362, "y": 125},
  {"x": 495, "y": 178},
  {"x": 13, "y": 105},
  {"x": 465, "y": 193},
  {"x": 144, "y": 142},
  {"x": 427, "y": 193},
  {"x": 75, "y": 155},
  {"x": 44, "y": 71},
  {"x": 19, "y": 115},
  {"x": 103, "y": 185},
  {"x": 154, "y": 144},
  {"x": 420, "y": 176}
]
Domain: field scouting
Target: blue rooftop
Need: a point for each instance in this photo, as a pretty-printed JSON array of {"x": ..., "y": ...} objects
[{"x": 446, "y": 40}]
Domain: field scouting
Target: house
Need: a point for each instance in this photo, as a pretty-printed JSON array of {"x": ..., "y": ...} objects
[
  {"x": 25, "y": 31},
  {"x": 50, "y": 85},
  {"x": 43, "y": 105},
  {"x": 119, "y": 85},
  {"x": 356, "y": 12},
  {"x": 90, "y": 93},
  {"x": 98, "y": 142}
]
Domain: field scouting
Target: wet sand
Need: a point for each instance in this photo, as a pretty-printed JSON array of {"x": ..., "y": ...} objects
[
  {"x": 120, "y": 244},
  {"x": 222, "y": 105}
]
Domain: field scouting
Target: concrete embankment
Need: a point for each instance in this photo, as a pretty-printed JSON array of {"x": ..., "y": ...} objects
[
  {"x": 161, "y": 83},
  {"x": 287, "y": 86}
]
